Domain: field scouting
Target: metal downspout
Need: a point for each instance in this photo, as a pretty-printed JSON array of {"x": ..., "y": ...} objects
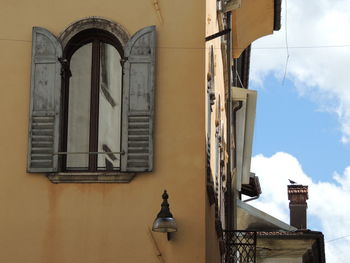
[
  {"x": 251, "y": 199},
  {"x": 230, "y": 204}
]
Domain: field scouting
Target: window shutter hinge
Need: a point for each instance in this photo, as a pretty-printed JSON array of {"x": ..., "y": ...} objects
[{"x": 65, "y": 71}]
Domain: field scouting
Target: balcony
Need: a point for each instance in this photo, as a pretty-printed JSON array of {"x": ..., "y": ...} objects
[{"x": 240, "y": 246}]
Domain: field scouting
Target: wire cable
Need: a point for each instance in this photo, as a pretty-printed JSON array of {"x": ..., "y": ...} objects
[
  {"x": 286, "y": 39},
  {"x": 219, "y": 48},
  {"x": 14, "y": 40},
  {"x": 338, "y": 238},
  {"x": 239, "y": 78}
]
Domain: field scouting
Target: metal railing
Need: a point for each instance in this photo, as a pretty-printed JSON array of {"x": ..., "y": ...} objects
[{"x": 240, "y": 246}]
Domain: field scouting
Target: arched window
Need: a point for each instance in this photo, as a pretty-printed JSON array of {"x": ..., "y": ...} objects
[{"x": 92, "y": 100}]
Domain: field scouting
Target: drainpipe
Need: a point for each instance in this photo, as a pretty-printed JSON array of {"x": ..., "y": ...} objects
[
  {"x": 251, "y": 199},
  {"x": 233, "y": 161},
  {"x": 231, "y": 207}
]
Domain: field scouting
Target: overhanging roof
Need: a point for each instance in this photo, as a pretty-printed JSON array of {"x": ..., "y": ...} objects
[
  {"x": 278, "y": 241},
  {"x": 252, "y": 20},
  {"x": 251, "y": 218}
]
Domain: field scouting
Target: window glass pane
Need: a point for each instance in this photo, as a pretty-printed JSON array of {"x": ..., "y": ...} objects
[
  {"x": 79, "y": 108},
  {"x": 109, "y": 108}
]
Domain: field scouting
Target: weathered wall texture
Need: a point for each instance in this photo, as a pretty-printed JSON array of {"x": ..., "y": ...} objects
[
  {"x": 42, "y": 222},
  {"x": 214, "y": 62}
]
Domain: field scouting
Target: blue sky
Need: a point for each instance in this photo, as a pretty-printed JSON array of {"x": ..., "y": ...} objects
[
  {"x": 302, "y": 128},
  {"x": 289, "y": 122}
]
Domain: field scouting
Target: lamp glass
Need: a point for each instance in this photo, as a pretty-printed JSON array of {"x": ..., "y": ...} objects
[{"x": 164, "y": 224}]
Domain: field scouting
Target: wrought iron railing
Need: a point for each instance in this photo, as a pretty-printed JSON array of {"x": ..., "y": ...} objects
[{"x": 240, "y": 246}]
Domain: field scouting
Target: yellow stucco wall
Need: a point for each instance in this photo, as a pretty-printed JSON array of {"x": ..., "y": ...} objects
[{"x": 41, "y": 222}]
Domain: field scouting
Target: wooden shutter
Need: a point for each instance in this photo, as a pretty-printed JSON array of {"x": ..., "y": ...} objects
[
  {"x": 44, "y": 109},
  {"x": 138, "y": 101}
]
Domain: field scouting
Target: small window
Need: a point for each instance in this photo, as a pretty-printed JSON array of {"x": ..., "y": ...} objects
[{"x": 92, "y": 102}]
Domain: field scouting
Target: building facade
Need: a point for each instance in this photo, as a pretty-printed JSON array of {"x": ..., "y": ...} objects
[
  {"x": 97, "y": 220},
  {"x": 107, "y": 104}
]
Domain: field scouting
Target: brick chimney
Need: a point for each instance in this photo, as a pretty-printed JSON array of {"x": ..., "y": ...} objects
[{"x": 297, "y": 196}]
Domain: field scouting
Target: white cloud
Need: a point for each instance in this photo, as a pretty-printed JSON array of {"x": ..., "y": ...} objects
[
  {"x": 323, "y": 74},
  {"x": 328, "y": 201}
]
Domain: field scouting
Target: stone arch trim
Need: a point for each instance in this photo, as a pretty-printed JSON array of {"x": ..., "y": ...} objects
[{"x": 94, "y": 22}]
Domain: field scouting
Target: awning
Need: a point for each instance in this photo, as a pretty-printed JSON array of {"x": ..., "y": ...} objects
[{"x": 252, "y": 20}]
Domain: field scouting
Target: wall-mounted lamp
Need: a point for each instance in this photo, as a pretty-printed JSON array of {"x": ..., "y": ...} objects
[{"x": 164, "y": 221}]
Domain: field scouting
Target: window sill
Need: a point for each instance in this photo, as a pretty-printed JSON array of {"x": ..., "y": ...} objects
[{"x": 92, "y": 177}]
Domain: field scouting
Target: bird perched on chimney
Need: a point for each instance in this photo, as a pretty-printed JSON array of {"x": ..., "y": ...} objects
[{"x": 292, "y": 182}]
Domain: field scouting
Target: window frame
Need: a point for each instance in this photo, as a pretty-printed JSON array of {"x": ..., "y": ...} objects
[{"x": 96, "y": 37}]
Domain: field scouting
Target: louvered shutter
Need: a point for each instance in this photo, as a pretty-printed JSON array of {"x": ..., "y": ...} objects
[
  {"x": 138, "y": 101},
  {"x": 44, "y": 109}
]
